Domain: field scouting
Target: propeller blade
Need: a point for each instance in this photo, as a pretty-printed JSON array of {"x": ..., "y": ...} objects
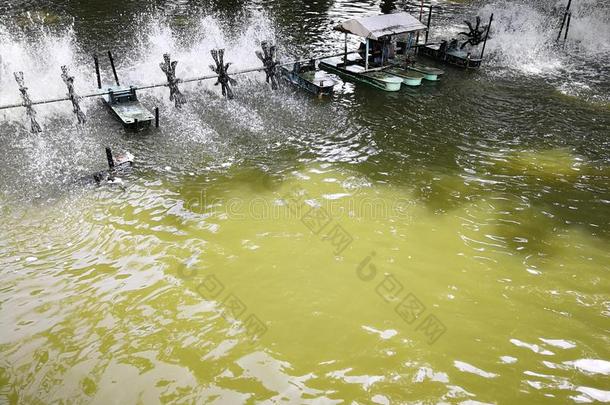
[{"x": 469, "y": 26}]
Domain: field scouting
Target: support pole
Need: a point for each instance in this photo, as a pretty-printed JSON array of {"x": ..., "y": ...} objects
[
  {"x": 565, "y": 15},
  {"x": 156, "y": 117},
  {"x": 109, "y": 158},
  {"x": 366, "y": 56},
  {"x": 491, "y": 18},
  {"x": 421, "y": 15},
  {"x": 428, "y": 25},
  {"x": 116, "y": 77},
  {"x": 565, "y": 37},
  {"x": 97, "y": 71},
  {"x": 345, "y": 51}
]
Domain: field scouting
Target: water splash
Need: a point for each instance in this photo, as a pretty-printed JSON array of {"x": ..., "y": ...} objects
[
  {"x": 40, "y": 57},
  {"x": 521, "y": 39},
  {"x": 206, "y": 33},
  {"x": 64, "y": 149},
  {"x": 524, "y": 36}
]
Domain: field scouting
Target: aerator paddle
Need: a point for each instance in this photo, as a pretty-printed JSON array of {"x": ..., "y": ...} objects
[
  {"x": 221, "y": 69},
  {"x": 475, "y": 35},
  {"x": 169, "y": 68},
  {"x": 74, "y": 98},
  {"x": 268, "y": 58},
  {"x": 27, "y": 102}
]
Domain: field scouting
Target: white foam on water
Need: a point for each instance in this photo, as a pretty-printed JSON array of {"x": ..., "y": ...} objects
[
  {"x": 508, "y": 359},
  {"x": 383, "y": 334},
  {"x": 65, "y": 149},
  {"x": 592, "y": 394},
  {"x": 533, "y": 347},
  {"x": 560, "y": 343},
  {"x": 590, "y": 26},
  {"x": 40, "y": 56},
  {"x": 424, "y": 373},
  {"x": 193, "y": 56},
  {"x": 520, "y": 39},
  {"x": 380, "y": 399},
  {"x": 523, "y": 35},
  {"x": 469, "y": 368},
  {"x": 591, "y": 366}
]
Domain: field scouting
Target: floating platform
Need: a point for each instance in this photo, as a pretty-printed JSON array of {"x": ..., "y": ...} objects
[
  {"x": 307, "y": 77},
  {"x": 455, "y": 57},
  {"x": 124, "y": 105},
  {"x": 430, "y": 73},
  {"x": 356, "y": 72},
  {"x": 409, "y": 77}
]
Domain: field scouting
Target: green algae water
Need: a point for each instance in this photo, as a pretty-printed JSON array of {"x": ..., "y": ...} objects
[{"x": 444, "y": 244}]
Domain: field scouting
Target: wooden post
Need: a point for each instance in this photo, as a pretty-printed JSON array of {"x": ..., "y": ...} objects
[
  {"x": 109, "y": 158},
  {"x": 486, "y": 36},
  {"x": 421, "y": 15},
  {"x": 565, "y": 15},
  {"x": 116, "y": 77},
  {"x": 565, "y": 37},
  {"x": 428, "y": 25},
  {"x": 97, "y": 71},
  {"x": 345, "y": 51},
  {"x": 156, "y": 117},
  {"x": 366, "y": 56}
]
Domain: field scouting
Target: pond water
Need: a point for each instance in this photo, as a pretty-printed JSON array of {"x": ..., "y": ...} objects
[{"x": 447, "y": 243}]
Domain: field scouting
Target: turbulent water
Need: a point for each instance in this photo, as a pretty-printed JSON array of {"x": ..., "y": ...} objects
[{"x": 446, "y": 243}]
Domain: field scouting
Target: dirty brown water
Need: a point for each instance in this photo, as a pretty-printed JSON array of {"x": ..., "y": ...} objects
[{"x": 441, "y": 244}]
